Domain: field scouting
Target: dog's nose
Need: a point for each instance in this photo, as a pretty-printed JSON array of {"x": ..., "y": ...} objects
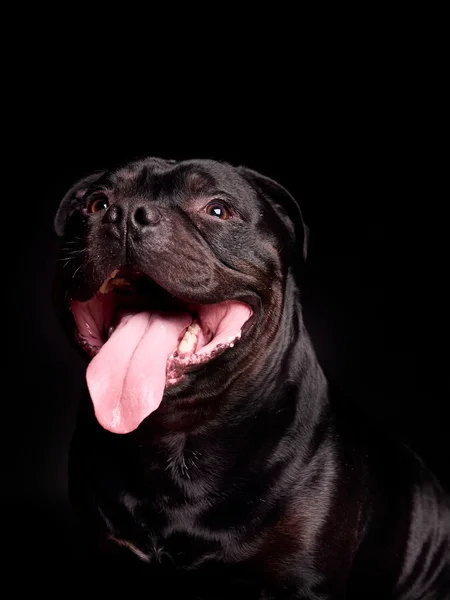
[
  {"x": 118, "y": 219},
  {"x": 114, "y": 214},
  {"x": 144, "y": 215}
]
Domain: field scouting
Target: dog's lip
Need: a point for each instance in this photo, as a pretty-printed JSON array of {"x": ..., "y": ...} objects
[
  {"x": 133, "y": 274},
  {"x": 121, "y": 281}
]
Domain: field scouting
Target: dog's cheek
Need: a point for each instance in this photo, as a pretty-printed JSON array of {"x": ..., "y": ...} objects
[
  {"x": 72, "y": 253},
  {"x": 77, "y": 227}
]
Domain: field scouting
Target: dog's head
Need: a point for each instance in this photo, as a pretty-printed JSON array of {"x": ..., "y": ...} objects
[{"x": 169, "y": 270}]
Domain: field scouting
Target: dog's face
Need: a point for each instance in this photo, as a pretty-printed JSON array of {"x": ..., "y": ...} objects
[{"x": 173, "y": 274}]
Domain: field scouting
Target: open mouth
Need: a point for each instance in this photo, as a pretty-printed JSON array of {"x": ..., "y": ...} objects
[{"x": 143, "y": 340}]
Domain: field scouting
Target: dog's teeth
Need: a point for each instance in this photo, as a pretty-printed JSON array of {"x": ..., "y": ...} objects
[
  {"x": 111, "y": 331},
  {"x": 189, "y": 340},
  {"x": 184, "y": 346},
  {"x": 106, "y": 285},
  {"x": 194, "y": 328},
  {"x": 119, "y": 281}
]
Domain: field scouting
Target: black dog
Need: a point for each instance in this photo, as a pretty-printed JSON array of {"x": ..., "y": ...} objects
[{"x": 240, "y": 470}]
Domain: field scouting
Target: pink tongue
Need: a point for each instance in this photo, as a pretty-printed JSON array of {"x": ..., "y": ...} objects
[{"x": 126, "y": 378}]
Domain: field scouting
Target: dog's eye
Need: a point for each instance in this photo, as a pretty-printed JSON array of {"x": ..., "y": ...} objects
[
  {"x": 98, "y": 203},
  {"x": 218, "y": 209}
]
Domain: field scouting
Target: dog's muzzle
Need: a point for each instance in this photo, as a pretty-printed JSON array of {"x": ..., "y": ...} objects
[{"x": 142, "y": 340}]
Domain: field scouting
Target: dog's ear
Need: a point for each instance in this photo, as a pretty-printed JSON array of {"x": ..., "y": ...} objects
[
  {"x": 70, "y": 201},
  {"x": 284, "y": 203}
]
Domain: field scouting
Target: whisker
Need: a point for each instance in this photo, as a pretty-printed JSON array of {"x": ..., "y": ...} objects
[
  {"x": 66, "y": 261},
  {"x": 71, "y": 251},
  {"x": 76, "y": 270},
  {"x": 70, "y": 255}
]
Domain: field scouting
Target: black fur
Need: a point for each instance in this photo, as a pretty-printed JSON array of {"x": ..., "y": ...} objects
[{"x": 253, "y": 479}]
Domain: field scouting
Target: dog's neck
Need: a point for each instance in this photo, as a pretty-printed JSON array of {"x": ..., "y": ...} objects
[{"x": 294, "y": 374}]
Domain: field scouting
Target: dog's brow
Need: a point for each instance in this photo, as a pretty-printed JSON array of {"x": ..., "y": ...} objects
[
  {"x": 197, "y": 183},
  {"x": 126, "y": 174}
]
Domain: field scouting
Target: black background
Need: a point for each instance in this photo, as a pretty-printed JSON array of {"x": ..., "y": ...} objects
[{"x": 359, "y": 147}]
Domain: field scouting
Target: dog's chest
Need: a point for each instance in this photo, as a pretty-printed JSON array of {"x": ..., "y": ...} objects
[
  {"x": 176, "y": 507},
  {"x": 158, "y": 512},
  {"x": 161, "y": 529}
]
